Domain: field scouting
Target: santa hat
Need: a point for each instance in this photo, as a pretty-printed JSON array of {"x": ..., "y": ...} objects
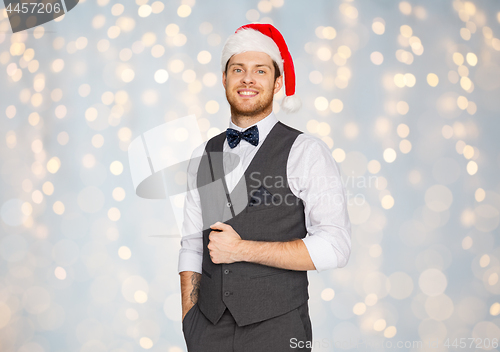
[{"x": 267, "y": 39}]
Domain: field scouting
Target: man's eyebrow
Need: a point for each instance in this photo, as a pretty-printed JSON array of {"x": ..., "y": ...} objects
[{"x": 240, "y": 64}]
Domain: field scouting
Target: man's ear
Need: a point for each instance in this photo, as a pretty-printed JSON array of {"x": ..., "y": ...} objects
[
  {"x": 278, "y": 84},
  {"x": 224, "y": 79}
]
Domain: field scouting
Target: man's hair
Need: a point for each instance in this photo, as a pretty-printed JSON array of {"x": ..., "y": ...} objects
[{"x": 276, "y": 70}]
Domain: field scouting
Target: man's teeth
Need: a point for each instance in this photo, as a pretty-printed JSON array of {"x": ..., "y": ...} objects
[{"x": 248, "y": 93}]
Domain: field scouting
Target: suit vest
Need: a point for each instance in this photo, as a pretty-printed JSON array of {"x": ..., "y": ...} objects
[{"x": 261, "y": 207}]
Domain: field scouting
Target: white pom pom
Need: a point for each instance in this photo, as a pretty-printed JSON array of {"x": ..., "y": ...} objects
[{"x": 291, "y": 103}]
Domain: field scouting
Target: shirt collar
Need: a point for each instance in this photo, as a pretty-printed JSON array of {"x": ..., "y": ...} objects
[{"x": 265, "y": 125}]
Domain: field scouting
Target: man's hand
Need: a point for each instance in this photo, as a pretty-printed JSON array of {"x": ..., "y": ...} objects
[{"x": 225, "y": 244}]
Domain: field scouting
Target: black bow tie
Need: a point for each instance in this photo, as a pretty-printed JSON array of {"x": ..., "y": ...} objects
[{"x": 251, "y": 135}]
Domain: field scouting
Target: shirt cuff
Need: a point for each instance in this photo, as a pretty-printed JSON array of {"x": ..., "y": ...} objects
[
  {"x": 190, "y": 261},
  {"x": 321, "y": 252}
]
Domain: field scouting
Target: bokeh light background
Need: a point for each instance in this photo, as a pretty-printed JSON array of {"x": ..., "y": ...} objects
[{"x": 406, "y": 94}]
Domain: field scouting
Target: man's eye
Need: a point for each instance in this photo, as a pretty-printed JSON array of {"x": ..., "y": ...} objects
[
  {"x": 262, "y": 71},
  {"x": 237, "y": 70}
]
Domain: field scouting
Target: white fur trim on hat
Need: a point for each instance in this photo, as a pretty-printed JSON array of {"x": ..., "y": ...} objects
[
  {"x": 250, "y": 40},
  {"x": 291, "y": 103}
]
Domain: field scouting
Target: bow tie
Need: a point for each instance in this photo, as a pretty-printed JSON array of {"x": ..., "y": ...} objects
[{"x": 251, "y": 135}]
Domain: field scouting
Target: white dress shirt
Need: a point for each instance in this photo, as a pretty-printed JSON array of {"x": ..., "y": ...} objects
[{"x": 313, "y": 176}]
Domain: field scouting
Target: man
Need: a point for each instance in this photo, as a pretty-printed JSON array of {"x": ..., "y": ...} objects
[{"x": 255, "y": 192}]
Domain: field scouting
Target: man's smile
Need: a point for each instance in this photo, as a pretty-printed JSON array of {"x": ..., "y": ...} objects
[{"x": 247, "y": 92}]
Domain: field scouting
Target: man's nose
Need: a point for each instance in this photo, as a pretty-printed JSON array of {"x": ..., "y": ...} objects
[{"x": 248, "y": 78}]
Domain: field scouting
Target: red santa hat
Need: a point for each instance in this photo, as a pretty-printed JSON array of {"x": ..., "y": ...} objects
[{"x": 267, "y": 39}]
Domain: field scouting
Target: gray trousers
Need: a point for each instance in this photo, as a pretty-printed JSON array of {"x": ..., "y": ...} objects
[{"x": 287, "y": 332}]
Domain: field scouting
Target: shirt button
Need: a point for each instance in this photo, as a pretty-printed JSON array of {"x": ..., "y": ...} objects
[
  {"x": 226, "y": 271},
  {"x": 227, "y": 293},
  {"x": 228, "y": 205}
]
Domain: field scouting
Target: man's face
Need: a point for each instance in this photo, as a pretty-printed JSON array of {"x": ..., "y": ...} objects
[{"x": 250, "y": 84}]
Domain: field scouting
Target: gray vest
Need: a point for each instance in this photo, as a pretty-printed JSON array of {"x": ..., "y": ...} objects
[{"x": 261, "y": 207}]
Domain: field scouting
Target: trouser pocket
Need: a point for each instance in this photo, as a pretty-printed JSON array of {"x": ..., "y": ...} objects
[
  {"x": 305, "y": 321},
  {"x": 186, "y": 322}
]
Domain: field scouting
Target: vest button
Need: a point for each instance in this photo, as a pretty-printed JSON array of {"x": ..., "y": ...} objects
[
  {"x": 228, "y": 205},
  {"x": 226, "y": 271},
  {"x": 227, "y": 293}
]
